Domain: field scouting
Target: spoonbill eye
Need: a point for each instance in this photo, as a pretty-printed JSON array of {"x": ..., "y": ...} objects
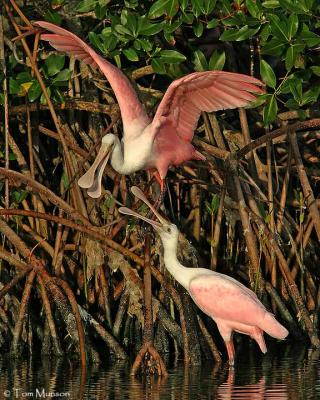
[{"x": 169, "y": 230}]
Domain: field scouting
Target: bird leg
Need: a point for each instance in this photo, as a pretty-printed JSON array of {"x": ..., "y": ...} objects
[
  {"x": 230, "y": 350},
  {"x": 161, "y": 182}
]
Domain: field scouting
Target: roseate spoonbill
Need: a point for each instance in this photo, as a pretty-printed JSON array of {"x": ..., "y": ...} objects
[
  {"x": 228, "y": 302},
  {"x": 166, "y": 140}
]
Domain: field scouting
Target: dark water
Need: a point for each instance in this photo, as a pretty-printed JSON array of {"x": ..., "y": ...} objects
[{"x": 285, "y": 372}]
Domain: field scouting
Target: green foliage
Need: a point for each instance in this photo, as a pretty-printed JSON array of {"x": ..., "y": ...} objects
[
  {"x": 23, "y": 84},
  {"x": 169, "y": 35},
  {"x": 286, "y": 31},
  {"x": 213, "y": 206}
]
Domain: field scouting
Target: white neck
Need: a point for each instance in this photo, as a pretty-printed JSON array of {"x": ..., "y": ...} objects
[
  {"x": 117, "y": 157},
  {"x": 133, "y": 153},
  {"x": 180, "y": 273}
]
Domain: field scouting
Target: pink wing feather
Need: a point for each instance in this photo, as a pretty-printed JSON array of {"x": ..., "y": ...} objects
[
  {"x": 130, "y": 106},
  {"x": 221, "y": 298},
  {"x": 204, "y": 91},
  {"x": 226, "y": 299},
  {"x": 179, "y": 111}
]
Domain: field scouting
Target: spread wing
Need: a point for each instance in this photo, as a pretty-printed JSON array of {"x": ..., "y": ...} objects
[
  {"x": 204, "y": 91},
  {"x": 226, "y": 299},
  {"x": 130, "y": 106}
]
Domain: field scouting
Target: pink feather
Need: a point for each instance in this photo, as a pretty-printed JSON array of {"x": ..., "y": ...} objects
[
  {"x": 178, "y": 113},
  {"x": 234, "y": 307},
  {"x": 62, "y": 40}
]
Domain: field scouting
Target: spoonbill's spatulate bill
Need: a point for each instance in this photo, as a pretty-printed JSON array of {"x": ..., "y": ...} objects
[
  {"x": 228, "y": 302},
  {"x": 166, "y": 140}
]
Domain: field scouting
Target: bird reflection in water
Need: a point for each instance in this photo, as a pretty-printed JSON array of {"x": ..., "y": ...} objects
[
  {"x": 285, "y": 372},
  {"x": 254, "y": 391}
]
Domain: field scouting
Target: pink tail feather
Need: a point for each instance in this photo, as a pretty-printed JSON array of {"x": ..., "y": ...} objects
[
  {"x": 272, "y": 327},
  {"x": 258, "y": 337}
]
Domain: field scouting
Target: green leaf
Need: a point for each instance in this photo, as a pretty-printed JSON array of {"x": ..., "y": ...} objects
[
  {"x": 311, "y": 38},
  {"x": 291, "y": 55},
  {"x": 117, "y": 59},
  {"x": 171, "y": 26},
  {"x": 19, "y": 196},
  {"x": 14, "y": 86},
  {"x": 34, "y": 92},
  {"x": 188, "y": 18},
  {"x": 254, "y": 8},
  {"x": 198, "y": 29},
  {"x": 273, "y": 48},
  {"x": 292, "y": 104},
  {"x": 169, "y": 38},
  {"x": 96, "y": 41},
  {"x": 109, "y": 42},
  {"x": 23, "y": 77},
  {"x": 265, "y": 33},
  {"x": 217, "y": 60},
  {"x": 296, "y": 89},
  {"x": 215, "y": 203},
  {"x": 316, "y": 70},
  {"x": 270, "y": 4},
  {"x": 213, "y": 23},
  {"x": 160, "y": 7},
  {"x": 158, "y": 66},
  {"x": 86, "y": 5},
  {"x": 171, "y": 56},
  {"x": 172, "y": 8},
  {"x": 65, "y": 180},
  {"x": 237, "y": 19},
  {"x": 278, "y": 27},
  {"x": 145, "y": 44},
  {"x": 311, "y": 95},
  {"x": 123, "y": 30},
  {"x": 197, "y": 7},
  {"x": 209, "y": 6},
  {"x": 295, "y": 6},
  {"x": 199, "y": 61},
  {"x": 54, "y": 63},
  {"x": 132, "y": 24},
  {"x": 270, "y": 110},
  {"x": 183, "y": 4},
  {"x": 238, "y": 34},
  {"x": 63, "y": 75},
  {"x": 57, "y": 95},
  {"x": 100, "y": 12},
  {"x": 293, "y": 25},
  {"x": 43, "y": 99},
  {"x": 267, "y": 74},
  {"x": 289, "y": 58},
  {"x": 53, "y": 17},
  {"x": 145, "y": 27},
  {"x": 124, "y": 16},
  {"x": 131, "y": 54}
]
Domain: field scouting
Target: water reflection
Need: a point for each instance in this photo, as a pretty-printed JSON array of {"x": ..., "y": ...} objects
[{"x": 286, "y": 372}]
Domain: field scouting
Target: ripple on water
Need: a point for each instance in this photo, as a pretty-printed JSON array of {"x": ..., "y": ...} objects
[{"x": 285, "y": 372}]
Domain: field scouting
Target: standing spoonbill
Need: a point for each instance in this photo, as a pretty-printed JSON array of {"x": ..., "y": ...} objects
[
  {"x": 230, "y": 304},
  {"x": 166, "y": 140}
]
